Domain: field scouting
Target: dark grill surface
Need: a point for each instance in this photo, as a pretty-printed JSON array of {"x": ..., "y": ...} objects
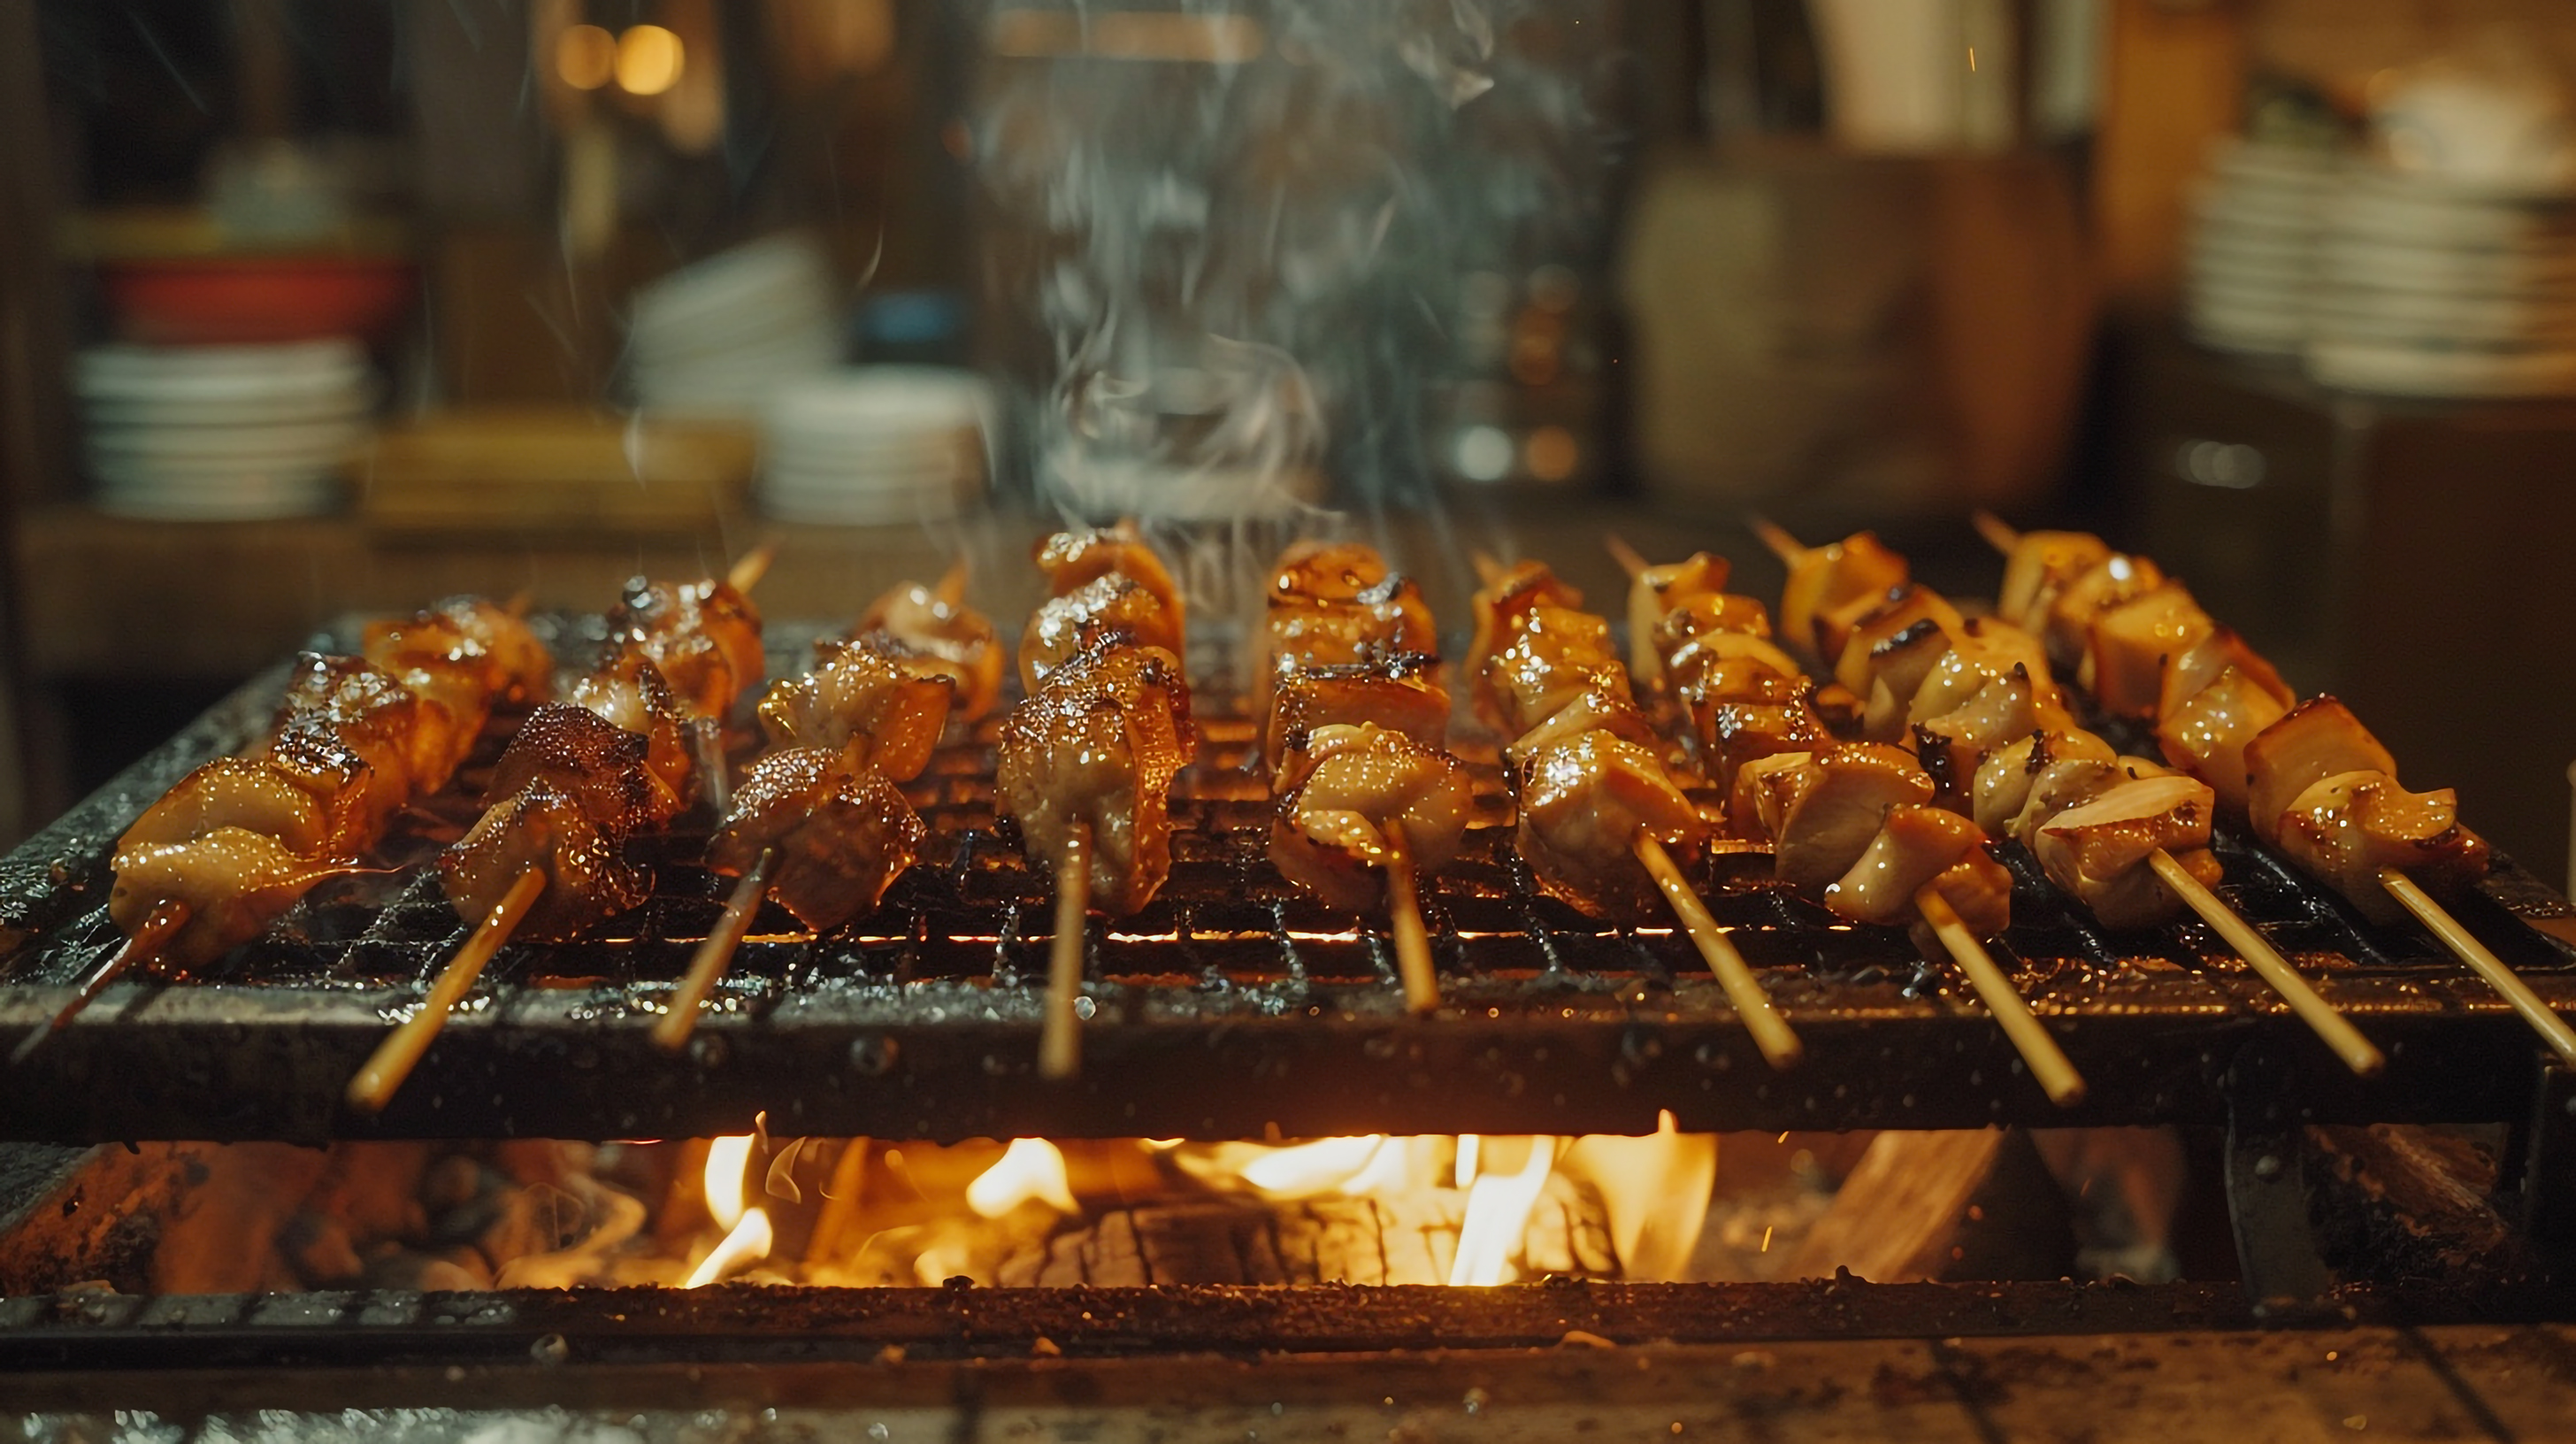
[{"x": 1233, "y": 1006}]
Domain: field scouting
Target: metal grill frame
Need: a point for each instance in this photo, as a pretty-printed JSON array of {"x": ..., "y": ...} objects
[{"x": 1233, "y": 1007}]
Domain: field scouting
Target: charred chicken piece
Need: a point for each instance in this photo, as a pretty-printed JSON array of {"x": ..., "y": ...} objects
[
  {"x": 916, "y": 621},
  {"x": 589, "y": 761},
  {"x": 1820, "y": 810},
  {"x": 249, "y": 794},
  {"x": 1704, "y": 633},
  {"x": 542, "y": 825},
  {"x": 1328, "y": 834},
  {"x": 1503, "y": 603},
  {"x": 1551, "y": 656},
  {"x": 2042, "y": 563},
  {"x": 1919, "y": 846},
  {"x": 2129, "y": 646},
  {"x": 2109, "y": 583},
  {"x": 1388, "y": 620},
  {"x": 2097, "y": 850},
  {"x": 1656, "y": 592},
  {"x": 1899, "y": 611},
  {"x": 628, "y": 692},
  {"x": 2343, "y": 829},
  {"x": 2318, "y": 739},
  {"x": 1326, "y": 571},
  {"x": 1400, "y": 694},
  {"x": 840, "y": 830},
  {"x": 2031, "y": 780},
  {"x": 233, "y": 881},
  {"x": 406, "y": 738},
  {"x": 2004, "y": 709},
  {"x": 464, "y": 652},
  {"x": 1581, "y": 803},
  {"x": 1826, "y": 580},
  {"x": 1111, "y": 607},
  {"x": 704, "y": 636},
  {"x": 1735, "y": 734},
  {"x": 1072, "y": 560},
  {"x": 1099, "y": 742},
  {"x": 1981, "y": 651},
  {"x": 876, "y": 702}
]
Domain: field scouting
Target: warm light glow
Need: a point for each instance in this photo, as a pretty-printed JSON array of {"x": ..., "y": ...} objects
[
  {"x": 649, "y": 60},
  {"x": 1321, "y": 1166},
  {"x": 1127, "y": 35},
  {"x": 748, "y": 1236},
  {"x": 1031, "y": 1169},
  {"x": 585, "y": 57},
  {"x": 1498, "y": 1213}
]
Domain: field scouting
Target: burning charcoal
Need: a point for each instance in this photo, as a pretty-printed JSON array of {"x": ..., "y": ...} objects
[
  {"x": 317, "y": 1246},
  {"x": 452, "y": 1182},
  {"x": 457, "y": 1269},
  {"x": 540, "y": 1219}
]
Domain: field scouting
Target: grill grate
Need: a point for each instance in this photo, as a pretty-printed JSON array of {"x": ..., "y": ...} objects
[{"x": 1234, "y": 1004}]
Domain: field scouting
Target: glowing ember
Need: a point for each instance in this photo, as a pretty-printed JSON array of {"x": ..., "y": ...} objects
[
  {"x": 1031, "y": 1169},
  {"x": 748, "y": 1236},
  {"x": 1498, "y": 1213}
]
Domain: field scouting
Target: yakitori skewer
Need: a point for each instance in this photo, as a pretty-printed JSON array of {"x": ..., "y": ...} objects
[
  {"x": 218, "y": 857},
  {"x": 1688, "y": 622},
  {"x": 1355, "y": 732},
  {"x": 546, "y": 856},
  {"x": 818, "y": 821},
  {"x": 1599, "y": 813},
  {"x": 1087, "y": 758},
  {"x": 2089, "y": 836},
  {"x": 2307, "y": 777}
]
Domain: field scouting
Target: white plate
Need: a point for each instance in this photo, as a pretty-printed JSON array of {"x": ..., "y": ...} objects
[
  {"x": 2357, "y": 261},
  {"x": 181, "y": 504},
  {"x": 707, "y": 291},
  {"x": 184, "y": 442},
  {"x": 2430, "y": 371}
]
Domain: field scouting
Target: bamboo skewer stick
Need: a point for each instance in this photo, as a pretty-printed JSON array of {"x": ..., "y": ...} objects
[
  {"x": 1060, "y": 1035},
  {"x": 375, "y": 1084},
  {"x": 1998, "y": 533},
  {"x": 1412, "y": 941},
  {"x": 1630, "y": 560},
  {"x": 951, "y": 588},
  {"x": 2481, "y": 960},
  {"x": 714, "y": 955},
  {"x": 746, "y": 573},
  {"x": 141, "y": 947},
  {"x": 2357, "y": 1052},
  {"x": 2048, "y": 1063},
  {"x": 1776, "y": 539},
  {"x": 1771, "y": 1032}
]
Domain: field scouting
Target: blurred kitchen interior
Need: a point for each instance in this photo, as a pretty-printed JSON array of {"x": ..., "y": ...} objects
[{"x": 549, "y": 291}]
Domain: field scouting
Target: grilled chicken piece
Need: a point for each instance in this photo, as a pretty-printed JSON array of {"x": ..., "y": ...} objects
[
  {"x": 348, "y": 700},
  {"x": 542, "y": 825},
  {"x": 1072, "y": 560},
  {"x": 915, "y": 621},
  {"x": 2130, "y": 646},
  {"x": 1981, "y": 650},
  {"x": 704, "y": 636},
  {"x": 2004, "y": 709},
  {"x": 1829, "y": 579},
  {"x": 2097, "y": 850},
  {"x": 600, "y": 767},
  {"x": 1820, "y": 813},
  {"x": 1582, "y": 801},
  {"x": 1401, "y": 694},
  {"x": 1112, "y": 607},
  {"x": 1703, "y": 633},
  {"x": 1733, "y": 735},
  {"x": 2029, "y": 781},
  {"x": 252, "y": 794},
  {"x": 1656, "y": 591},
  {"x": 842, "y": 832},
  {"x": 2042, "y": 563},
  {"x": 1551, "y": 656},
  {"x": 885, "y": 705},
  {"x": 1918, "y": 847},
  {"x": 234, "y": 881},
  {"x": 1100, "y": 742},
  {"x": 1329, "y": 832},
  {"x": 627, "y": 691},
  {"x": 2207, "y": 732},
  {"x": 1600, "y": 707},
  {"x": 1390, "y": 620},
  {"x": 2318, "y": 739},
  {"x": 1326, "y": 571},
  {"x": 1501, "y": 605},
  {"x": 466, "y": 655},
  {"x": 2343, "y": 829},
  {"x": 2108, "y": 583},
  {"x": 1903, "y": 610},
  {"x": 1896, "y": 668},
  {"x": 2203, "y": 662}
]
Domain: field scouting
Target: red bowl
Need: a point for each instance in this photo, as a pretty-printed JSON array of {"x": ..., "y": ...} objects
[{"x": 216, "y": 300}]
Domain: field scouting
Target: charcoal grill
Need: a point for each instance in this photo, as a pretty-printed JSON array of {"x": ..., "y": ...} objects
[{"x": 1234, "y": 1007}]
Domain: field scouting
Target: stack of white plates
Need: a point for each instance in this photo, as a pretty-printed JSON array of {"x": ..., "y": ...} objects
[
  {"x": 718, "y": 338},
  {"x": 2429, "y": 287},
  {"x": 2251, "y": 255},
  {"x": 876, "y": 446},
  {"x": 221, "y": 433}
]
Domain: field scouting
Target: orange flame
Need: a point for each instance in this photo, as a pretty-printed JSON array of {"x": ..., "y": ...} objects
[
  {"x": 1030, "y": 1170},
  {"x": 748, "y": 1237}
]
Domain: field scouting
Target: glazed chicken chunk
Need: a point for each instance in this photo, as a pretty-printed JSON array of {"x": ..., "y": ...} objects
[
  {"x": 1072, "y": 560},
  {"x": 1111, "y": 607},
  {"x": 1919, "y": 847},
  {"x": 1582, "y": 802},
  {"x": 541, "y": 825},
  {"x": 704, "y": 636},
  {"x": 1826, "y": 583},
  {"x": 1400, "y": 694},
  {"x": 920, "y": 623},
  {"x": 233, "y": 881},
  {"x": 2097, "y": 849},
  {"x": 627, "y": 692},
  {"x": 882, "y": 705},
  {"x": 1657, "y": 592},
  {"x": 1099, "y": 743},
  {"x": 1820, "y": 810},
  {"x": 839, "y": 830},
  {"x": 1329, "y": 831}
]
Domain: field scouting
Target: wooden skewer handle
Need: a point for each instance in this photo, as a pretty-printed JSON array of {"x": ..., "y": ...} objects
[
  {"x": 375, "y": 1084},
  {"x": 2357, "y": 1052},
  {"x": 2048, "y": 1063},
  {"x": 1060, "y": 1034},
  {"x": 142, "y": 946},
  {"x": 713, "y": 956},
  {"x": 1771, "y": 1032},
  {"x": 2482, "y": 961},
  {"x": 1412, "y": 941}
]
